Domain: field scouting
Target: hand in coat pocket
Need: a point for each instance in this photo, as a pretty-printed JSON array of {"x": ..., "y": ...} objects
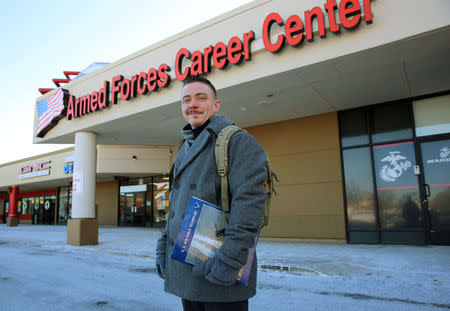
[
  {"x": 220, "y": 270},
  {"x": 161, "y": 266}
]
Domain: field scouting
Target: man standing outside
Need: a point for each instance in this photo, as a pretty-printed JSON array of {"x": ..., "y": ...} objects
[{"x": 212, "y": 285}]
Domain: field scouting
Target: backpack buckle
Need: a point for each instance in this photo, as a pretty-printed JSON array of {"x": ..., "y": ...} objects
[{"x": 222, "y": 170}]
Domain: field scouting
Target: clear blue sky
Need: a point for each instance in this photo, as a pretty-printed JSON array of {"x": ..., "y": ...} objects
[{"x": 41, "y": 39}]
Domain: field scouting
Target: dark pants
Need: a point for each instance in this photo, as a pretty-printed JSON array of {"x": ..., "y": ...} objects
[{"x": 214, "y": 306}]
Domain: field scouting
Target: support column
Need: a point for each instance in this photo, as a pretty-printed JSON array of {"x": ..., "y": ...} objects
[
  {"x": 13, "y": 216},
  {"x": 82, "y": 229}
]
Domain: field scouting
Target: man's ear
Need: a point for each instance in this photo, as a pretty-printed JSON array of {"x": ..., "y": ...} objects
[{"x": 216, "y": 105}]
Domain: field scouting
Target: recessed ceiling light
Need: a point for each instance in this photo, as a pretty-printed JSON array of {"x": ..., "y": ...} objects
[
  {"x": 243, "y": 108},
  {"x": 263, "y": 102}
]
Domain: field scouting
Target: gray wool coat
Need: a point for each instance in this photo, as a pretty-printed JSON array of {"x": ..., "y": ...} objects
[{"x": 195, "y": 174}]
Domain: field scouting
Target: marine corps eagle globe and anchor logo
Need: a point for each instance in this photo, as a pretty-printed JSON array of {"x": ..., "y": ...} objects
[
  {"x": 397, "y": 164},
  {"x": 445, "y": 152}
]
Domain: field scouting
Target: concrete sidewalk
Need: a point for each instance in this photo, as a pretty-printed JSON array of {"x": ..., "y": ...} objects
[
  {"x": 39, "y": 271},
  {"x": 298, "y": 258}
]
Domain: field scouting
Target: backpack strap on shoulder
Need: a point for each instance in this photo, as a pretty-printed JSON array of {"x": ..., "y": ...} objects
[{"x": 221, "y": 153}]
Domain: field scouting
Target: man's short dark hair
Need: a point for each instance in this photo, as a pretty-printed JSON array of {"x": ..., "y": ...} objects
[{"x": 200, "y": 79}]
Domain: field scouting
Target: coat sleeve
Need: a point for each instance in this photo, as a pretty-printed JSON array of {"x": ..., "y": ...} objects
[{"x": 247, "y": 172}]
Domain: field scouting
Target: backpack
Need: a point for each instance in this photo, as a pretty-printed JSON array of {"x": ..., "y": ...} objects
[{"x": 221, "y": 153}]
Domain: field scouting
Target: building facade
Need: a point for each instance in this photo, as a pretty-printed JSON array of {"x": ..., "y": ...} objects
[
  {"x": 349, "y": 98},
  {"x": 131, "y": 188}
]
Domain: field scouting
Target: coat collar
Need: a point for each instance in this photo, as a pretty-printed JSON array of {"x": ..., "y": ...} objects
[
  {"x": 218, "y": 122},
  {"x": 187, "y": 154}
]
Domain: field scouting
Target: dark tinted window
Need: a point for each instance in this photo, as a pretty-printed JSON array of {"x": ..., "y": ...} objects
[
  {"x": 359, "y": 189},
  {"x": 391, "y": 122},
  {"x": 353, "y": 128}
]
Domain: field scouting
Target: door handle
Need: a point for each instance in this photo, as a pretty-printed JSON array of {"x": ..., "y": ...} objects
[{"x": 427, "y": 190}]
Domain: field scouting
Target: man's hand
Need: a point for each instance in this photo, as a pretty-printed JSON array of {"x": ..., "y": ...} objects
[
  {"x": 220, "y": 270},
  {"x": 161, "y": 266},
  {"x": 161, "y": 248}
]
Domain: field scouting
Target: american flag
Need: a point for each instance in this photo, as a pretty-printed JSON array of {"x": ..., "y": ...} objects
[{"x": 48, "y": 109}]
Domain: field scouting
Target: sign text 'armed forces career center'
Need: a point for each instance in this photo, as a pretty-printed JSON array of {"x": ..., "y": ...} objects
[{"x": 346, "y": 14}]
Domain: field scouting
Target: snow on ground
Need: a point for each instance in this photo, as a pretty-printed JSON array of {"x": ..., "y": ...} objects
[{"x": 38, "y": 271}]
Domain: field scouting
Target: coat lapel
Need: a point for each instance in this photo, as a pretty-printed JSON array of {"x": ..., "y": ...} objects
[{"x": 188, "y": 154}]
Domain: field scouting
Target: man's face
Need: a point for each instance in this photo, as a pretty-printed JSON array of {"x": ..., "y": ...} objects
[{"x": 198, "y": 103}]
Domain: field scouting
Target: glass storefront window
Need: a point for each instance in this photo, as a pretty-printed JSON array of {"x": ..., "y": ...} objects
[
  {"x": 391, "y": 122},
  {"x": 132, "y": 202},
  {"x": 36, "y": 210},
  {"x": 132, "y": 209},
  {"x": 390, "y": 195},
  {"x": 65, "y": 205},
  {"x": 26, "y": 207},
  {"x": 122, "y": 210},
  {"x": 144, "y": 201},
  {"x": 436, "y": 162},
  {"x": 62, "y": 204},
  {"x": 31, "y": 205},
  {"x": 129, "y": 208},
  {"x": 354, "y": 129},
  {"x": 160, "y": 199},
  {"x": 43, "y": 209},
  {"x": 397, "y": 186},
  {"x": 5, "y": 211},
  {"x": 432, "y": 115},
  {"x": 359, "y": 189}
]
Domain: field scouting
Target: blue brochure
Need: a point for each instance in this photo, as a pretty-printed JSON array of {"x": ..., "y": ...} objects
[{"x": 201, "y": 236}]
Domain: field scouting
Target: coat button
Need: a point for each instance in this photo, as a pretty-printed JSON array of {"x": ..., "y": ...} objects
[
  {"x": 193, "y": 186},
  {"x": 176, "y": 186},
  {"x": 171, "y": 242}
]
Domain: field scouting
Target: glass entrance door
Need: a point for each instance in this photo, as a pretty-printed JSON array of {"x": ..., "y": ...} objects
[
  {"x": 132, "y": 209},
  {"x": 43, "y": 210},
  {"x": 401, "y": 216},
  {"x": 436, "y": 167},
  {"x": 64, "y": 210}
]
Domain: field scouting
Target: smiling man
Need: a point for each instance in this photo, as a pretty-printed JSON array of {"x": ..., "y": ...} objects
[
  {"x": 212, "y": 285},
  {"x": 199, "y": 103}
]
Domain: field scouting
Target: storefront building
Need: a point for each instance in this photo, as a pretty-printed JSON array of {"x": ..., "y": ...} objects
[
  {"x": 349, "y": 98},
  {"x": 126, "y": 193}
]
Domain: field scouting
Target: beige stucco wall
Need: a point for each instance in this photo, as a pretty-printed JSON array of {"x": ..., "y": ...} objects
[
  {"x": 107, "y": 199},
  {"x": 118, "y": 159},
  {"x": 306, "y": 158}
]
